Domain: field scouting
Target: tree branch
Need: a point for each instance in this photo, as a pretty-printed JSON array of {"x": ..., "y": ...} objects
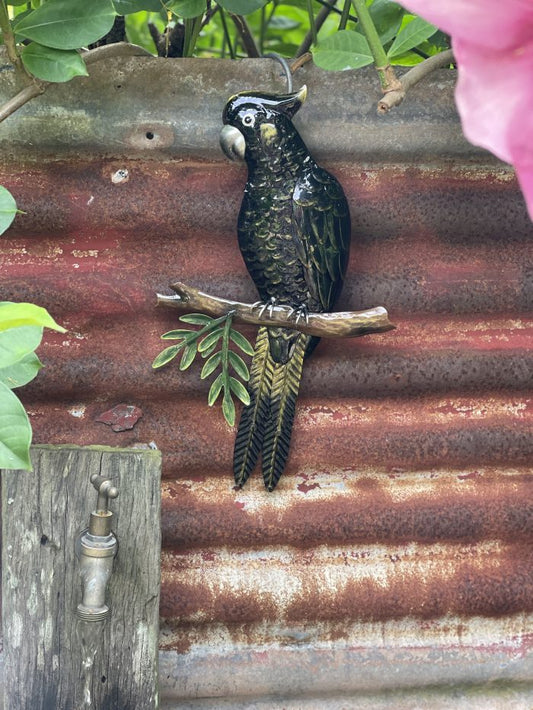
[
  {"x": 348, "y": 324},
  {"x": 321, "y": 17},
  {"x": 11, "y": 45},
  {"x": 247, "y": 38},
  {"x": 395, "y": 96},
  {"x": 108, "y": 51}
]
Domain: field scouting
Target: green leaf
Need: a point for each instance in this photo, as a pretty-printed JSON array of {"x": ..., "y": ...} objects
[
  {"x": 241, "y": 7},
  {"x": 211, "y": 365},
  {"x": 177, "y": 334},
  {"x": 196, "y": 319},
  {"x": 241, "y": 342},
  {"x": 54, "y": 65},
  {"x": 209, "y": 340},
  {"x": 188, "y": 356},
  {"x": 410, "y": 36},
  {"x": 127, "y": 7},
  {"x": 14, "y": 315},
  {"x": 343, "y": 50},
  {"x": 188, "y": 8},
  {"x": 387, "y": 17},
  {"x": 280, "y": 22},
  {"x": 228, "y": 408},
  {"x": 239, "y": 365},
  {"x": 68, "y": 24},
  {"x": 240, "y": 390},
  {"x": 15, "y": 432},
  {"x": 207, "y": 352},
  {"x": 166, "y": 355},
  {"x": 17, "y": 343},
  {"x": 21, "y": 372},
  {"x": 215, "y": 388},
  {"x": 8, "y": 209}
]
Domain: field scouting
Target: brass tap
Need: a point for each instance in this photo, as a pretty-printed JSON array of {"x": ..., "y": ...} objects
[{"x": 96, "y": 548}]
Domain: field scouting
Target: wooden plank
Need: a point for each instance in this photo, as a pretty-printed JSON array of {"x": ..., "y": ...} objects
[{"x": 53, "y": 660}]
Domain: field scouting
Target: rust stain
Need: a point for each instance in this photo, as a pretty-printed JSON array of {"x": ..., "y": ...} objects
[
  {"x": 123, "y": 417},
  {"x": 407, "y": 497}
]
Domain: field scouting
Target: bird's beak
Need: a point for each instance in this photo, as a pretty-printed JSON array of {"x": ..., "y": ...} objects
[{"x": 232, "y": 143}]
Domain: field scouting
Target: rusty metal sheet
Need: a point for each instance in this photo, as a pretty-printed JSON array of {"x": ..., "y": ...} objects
[{"x": 395, "y": 555}]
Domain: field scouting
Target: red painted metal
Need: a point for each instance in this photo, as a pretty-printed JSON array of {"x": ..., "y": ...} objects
[{"x": 407, "y": 497}]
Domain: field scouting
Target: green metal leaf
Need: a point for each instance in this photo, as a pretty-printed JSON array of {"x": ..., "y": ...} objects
[
  {"x": 188, "y": 8},
  {"x": 241, "y": 342},
  {"x": 214, "y": 390},
  {"x": 15, "y": 432},
  {"x": 188, "y": 356},
  {"x": 238, "y": 389},
  {"x": 228, "y": 408},
  {"x": 211, "y": 365},
  {"x": 55, "y": 65},
  {"x": 21, "y": 372},
  {"x": 8, "y": 209},
  {"x": 166, "y": 355},
  {"x": 14, "y": 315},
  {"x": 343, "y": 50},
  {"x": 209, "y": 340},
  {"x": 239, "y": 365},
  {"x": 17, "y": 343},
  {"x": 241, "y": 7},
  {"x": 196, "y": 318},
  {"x": 412, "y": 34},
  {"x": 207, "y": 352},
  {"x": 178, "y": 334},
  {"x": 68, "y": 24}
]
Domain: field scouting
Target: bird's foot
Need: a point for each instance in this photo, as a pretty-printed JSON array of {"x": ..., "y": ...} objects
[
  {"x": 302, "y": 312},
  {"x": 268, "y": 306}
]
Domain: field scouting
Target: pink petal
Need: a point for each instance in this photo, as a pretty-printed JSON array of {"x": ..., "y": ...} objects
[
  {"x": 494, "y": 98},
  {"x": 492, "y": 23}
]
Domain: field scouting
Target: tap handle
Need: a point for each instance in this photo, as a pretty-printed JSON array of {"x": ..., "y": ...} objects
[{"x": 105, "y": 490}]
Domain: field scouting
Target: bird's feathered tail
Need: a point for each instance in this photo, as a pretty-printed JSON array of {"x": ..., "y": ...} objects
[{"x": 266, "y": 423}]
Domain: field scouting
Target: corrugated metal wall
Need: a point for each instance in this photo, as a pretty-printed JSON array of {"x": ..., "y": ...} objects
[{"x": 393, "y": 561}]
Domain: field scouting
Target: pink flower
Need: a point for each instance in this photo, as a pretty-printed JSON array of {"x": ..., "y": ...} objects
[{"x": 493, "y": 45}]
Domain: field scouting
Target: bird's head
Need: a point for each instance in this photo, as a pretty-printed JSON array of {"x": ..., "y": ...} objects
[{"x": 255, "y": 120}]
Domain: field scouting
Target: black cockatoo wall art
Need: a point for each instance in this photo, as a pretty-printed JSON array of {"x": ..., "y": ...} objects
[{"x": 294, "y": 236}]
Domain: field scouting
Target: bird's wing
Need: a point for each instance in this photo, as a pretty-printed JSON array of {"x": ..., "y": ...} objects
[{"x": 321, "y": 233}]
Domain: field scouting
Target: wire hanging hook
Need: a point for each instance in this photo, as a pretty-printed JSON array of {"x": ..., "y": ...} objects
[{"x": 286, "y": 68}]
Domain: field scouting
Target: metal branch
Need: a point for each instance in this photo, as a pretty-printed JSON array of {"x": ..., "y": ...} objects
[
  {"x": 348, "y": 324},
  {"x": 396, "y": 95}
]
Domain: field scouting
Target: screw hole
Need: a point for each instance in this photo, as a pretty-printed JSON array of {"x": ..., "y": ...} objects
[
  {"x": 44, "y": 539},
  {"x": 103, "y": 679},
  {"x": 150, "y": 136}
]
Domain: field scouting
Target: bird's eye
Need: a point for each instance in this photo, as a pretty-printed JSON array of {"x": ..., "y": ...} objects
[{"x": 248, "y": 120}]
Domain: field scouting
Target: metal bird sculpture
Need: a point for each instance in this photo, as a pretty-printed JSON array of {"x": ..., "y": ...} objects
[{"x": 294, "y": 234}]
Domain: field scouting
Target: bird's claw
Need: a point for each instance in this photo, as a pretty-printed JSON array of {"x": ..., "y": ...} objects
[
  {"x": 268, "y": 306},
  {"x": 301, "y": 312}
]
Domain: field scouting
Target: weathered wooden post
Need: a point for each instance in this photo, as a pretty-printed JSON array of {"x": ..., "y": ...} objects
[{"x": 55, "y": 660}]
